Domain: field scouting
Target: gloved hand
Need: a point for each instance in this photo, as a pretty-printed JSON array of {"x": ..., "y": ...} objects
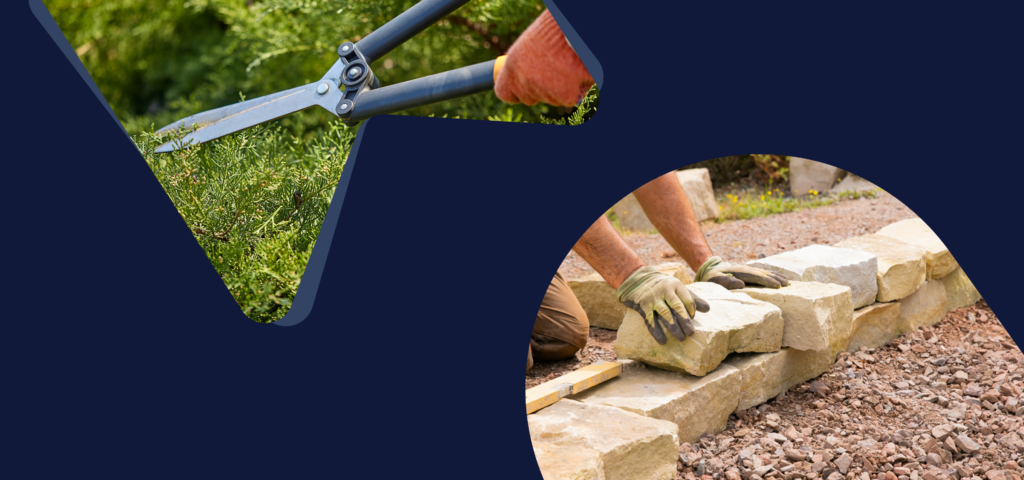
[
  {"x": 737, "y": 276},
  {"x": 663, "y": 301},
  {"x": 542, "y": 67}
]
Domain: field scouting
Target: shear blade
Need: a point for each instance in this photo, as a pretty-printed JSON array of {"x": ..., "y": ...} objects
[{"x": 219, "y": 122}]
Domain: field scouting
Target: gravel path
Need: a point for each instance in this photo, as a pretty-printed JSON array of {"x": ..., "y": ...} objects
[
  {"x": 741, "y": 241},
  {"x": 940, "y": 403}
]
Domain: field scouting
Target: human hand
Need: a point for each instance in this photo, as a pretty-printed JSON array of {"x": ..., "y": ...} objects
[
  {"x": 663, "y": 302},
  {"x": 541, "y": 66},
  {"x": 737, "y": 276}
]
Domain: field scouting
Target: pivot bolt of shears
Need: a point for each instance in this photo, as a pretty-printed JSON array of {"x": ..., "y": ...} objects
[
  {"x": 355, "y": 72},
  {"x": 323, "y": 88},
  {"x": 343, "y": 106},
  {"x": 346, "y": 48}
]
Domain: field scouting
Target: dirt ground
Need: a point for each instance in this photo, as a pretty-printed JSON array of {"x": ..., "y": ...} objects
[
  {"x": 939, "y": 403},
  {"x": 744, "y": 240}
]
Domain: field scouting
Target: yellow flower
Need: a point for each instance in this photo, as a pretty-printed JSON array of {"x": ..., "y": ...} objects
[{"x": 762, "y": 198}]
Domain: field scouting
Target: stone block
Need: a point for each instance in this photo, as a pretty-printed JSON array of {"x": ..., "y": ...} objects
[
  {"x": 568, "y": 463},
  {"x": 629, "y": 446},
  {"x": 874, "y": 326},
  {"x": 902, "y": 267},
  {"x": 697, "y": 187},
  {"x": 960, "y": 291},
  {"x": 766, "y": 375},
  {"x": 824, "y": 264},
  {"x": 926, "y": 307},
  {"x": 915, "y": 232},
  {"x": 599, "y": 301},
  {"x": 697, "y": 405},
  {"x": 735, "y": 323},
  {"x": 806, "y": 175},
  {"x": 817, "y": 316},
  {"x": 696, "y": 183},
  {"x": 853, "y": 183},
  {"x": 631, "y": 216}
]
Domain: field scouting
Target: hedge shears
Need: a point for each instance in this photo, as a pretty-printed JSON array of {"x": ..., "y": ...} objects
[{"x": 349, "y": 89}]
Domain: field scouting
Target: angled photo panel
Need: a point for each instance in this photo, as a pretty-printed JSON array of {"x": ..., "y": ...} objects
[
  {"x": 768, "y": 316},
  {"x": 256, "y": 166}
]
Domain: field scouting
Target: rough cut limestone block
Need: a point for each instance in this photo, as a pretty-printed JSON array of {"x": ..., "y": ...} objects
[
  {"x": 853, "y": 183},
  {"x": 824, "y": 264},
  {"x": 925, "y": 307},
  {"x": 631, "y": 216},
  {"x": 696, "y": 183},
  {"x": 960, "y": 291},
  {"x": 915, "y": 232},
  {"x": 901, "y": 266},
  {"x": 630, "y": 446},
  {"x": 736, "y": 323},
  {"x": 598, "y": 298},
  {"x": 806, "y": 175},
  {"x": 697, "y": 405},
  {"x": 568, "y": 463},
  {"x": 766, "y": 375},
  {"x": 874, "y": 326},
  {"x": 817, "y": 316}
]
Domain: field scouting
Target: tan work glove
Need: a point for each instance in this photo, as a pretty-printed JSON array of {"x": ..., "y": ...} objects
[
  {"x": 663, "y": 302},
  {"x": 542, "y": 67},
  {"x": 737, "y": 276}
]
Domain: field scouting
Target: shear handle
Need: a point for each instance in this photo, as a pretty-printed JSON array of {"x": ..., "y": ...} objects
[
  {"x": 426, "y": 90},
  {"x": 405, "y": 26}
]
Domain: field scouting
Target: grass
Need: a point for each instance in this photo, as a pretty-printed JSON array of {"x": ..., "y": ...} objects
[{"x": 753, "y": 204}]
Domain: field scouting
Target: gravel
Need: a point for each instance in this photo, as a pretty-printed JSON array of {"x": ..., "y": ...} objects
[{"x": 940, "y": 403}]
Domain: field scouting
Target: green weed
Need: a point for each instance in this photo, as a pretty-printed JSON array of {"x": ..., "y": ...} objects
[{"x": 772, "y": 201}]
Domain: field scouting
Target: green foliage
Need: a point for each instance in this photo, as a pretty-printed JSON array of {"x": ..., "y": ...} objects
[
  {"x": 771, "y": 201},
  {"x": 255, "y": 201},
  {"x": 156, "y": 62},
  {"x": 766, "y": 170},
  {"x": 858, "y": 194},
  {"x": 580, "y": 113}
]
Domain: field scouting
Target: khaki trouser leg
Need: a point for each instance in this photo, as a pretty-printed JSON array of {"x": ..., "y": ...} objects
[{"x": 561, "y": 328}]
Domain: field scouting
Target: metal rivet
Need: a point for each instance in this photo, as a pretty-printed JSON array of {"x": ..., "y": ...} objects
[
  {"x": 344, "y": 106},
  {"x": 355, "y": 72},
  {"x": 323, "y": 88},
  {"x": 345, "y": 48}
]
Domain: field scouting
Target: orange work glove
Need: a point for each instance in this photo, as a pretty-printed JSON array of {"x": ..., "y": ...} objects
[{"x": 542, "y": 67}]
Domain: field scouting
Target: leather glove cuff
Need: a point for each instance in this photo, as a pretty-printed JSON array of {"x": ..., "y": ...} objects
[
  {"x": 634, "y": 281},
  {"x": 702, "y": 273}
]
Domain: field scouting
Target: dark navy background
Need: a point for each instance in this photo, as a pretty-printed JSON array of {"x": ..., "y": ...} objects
[{"x": 125, "y": 356}]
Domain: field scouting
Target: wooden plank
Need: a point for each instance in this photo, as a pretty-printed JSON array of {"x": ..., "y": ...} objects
[{"x": 571, "y": 383}]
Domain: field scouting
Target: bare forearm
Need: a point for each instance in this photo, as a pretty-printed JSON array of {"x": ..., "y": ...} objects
[
  {"x": 668, "y": 209},
  {"x": 605, "y": 251}
]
